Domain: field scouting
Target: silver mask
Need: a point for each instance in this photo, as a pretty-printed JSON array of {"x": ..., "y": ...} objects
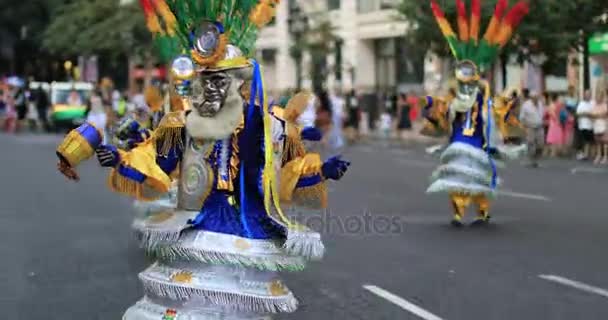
[{"x": 209, "y": 93}]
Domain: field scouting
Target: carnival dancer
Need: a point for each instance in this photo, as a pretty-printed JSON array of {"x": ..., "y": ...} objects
[
  {"x": 474, "y": 120},
  {"x": 219, "y": 250}
]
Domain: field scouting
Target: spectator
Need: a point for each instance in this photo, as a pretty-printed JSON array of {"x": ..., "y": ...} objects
[
  {"x": 555, "y": 134},
  {"x": 403, "y": 114},
  {"x": 42, "y": 106},
  {"x": 600, "y": 113},
  {"x": 323, "y": 120},
  {"x": 352, "y": 124},
  {"x": 338, "y": 117},
  {"x": 412, "y": 100},
  {"x": 20, "y": 104},
  {"x": 584, "y": 113},
  {"x": 571, "y": 102},
  {"x": 96, "y": 112},
  {"x": 10, "y": 114},
  {"x": 531, "y": 117}
]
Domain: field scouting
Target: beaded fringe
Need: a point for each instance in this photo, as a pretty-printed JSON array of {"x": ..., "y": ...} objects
[
  {"x": 239, "y": 302},
  {"x": 268, "y": 263},
  {"x": 304, "y": 243}
]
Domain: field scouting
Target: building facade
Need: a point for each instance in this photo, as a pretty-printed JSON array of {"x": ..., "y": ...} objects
[{"x": 369, "y": 52}]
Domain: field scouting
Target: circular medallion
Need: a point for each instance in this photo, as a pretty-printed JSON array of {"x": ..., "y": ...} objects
[
  {"x": 207, "y": 38},
  {"x": 242, "y": 244},
  {"x": 182, "y": 277},
  {"x": 193, "y": 179},
  {"x": 160, "y": 217},
  {"x": 276, "y": 288}
]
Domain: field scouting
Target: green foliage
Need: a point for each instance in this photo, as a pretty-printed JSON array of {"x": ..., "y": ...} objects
[
  {"x": 233, "y": 14},
  {"x": 97, "y": 26},
  {"x": 553, "y": 27}
]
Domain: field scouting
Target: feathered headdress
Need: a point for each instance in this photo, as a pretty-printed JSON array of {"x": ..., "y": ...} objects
[
  {"x": 467, "y": 45},
  {"x": 203, "y": 29}
]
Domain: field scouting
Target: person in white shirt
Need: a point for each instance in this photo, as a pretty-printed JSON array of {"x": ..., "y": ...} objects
[
  {"x": 531, "y": 117},
  {"x": 337, "y": 114},
  {"x": 584, "y": 113}
]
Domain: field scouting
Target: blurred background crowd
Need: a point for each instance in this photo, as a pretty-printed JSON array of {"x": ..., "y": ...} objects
[{"x": 64, "y": 62}]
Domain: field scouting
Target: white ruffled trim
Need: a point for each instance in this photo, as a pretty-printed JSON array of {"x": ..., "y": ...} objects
[
  {"x": 447, "y": 186},
  {"x": 268, "y": 263},
  {"x": 304, "y": 243},
  {"x": 481, "y": 175},
  {"x": 237, "y": 301}
]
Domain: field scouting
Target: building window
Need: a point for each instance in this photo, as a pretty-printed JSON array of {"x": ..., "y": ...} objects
[
  {"x": 333, "y": 4},
  {"x": 366, "y": 6}
]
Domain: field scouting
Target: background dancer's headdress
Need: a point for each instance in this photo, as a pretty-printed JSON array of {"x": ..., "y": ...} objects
[
  {"x": 466, "y": 45},
  {"x": 215, "y": 34}
]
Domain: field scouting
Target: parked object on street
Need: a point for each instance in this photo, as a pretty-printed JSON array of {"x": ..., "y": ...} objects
[{"x": 68, "y": 103}]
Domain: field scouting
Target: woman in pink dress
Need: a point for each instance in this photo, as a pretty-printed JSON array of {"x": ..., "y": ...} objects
[{"x": 555, "y": 133}]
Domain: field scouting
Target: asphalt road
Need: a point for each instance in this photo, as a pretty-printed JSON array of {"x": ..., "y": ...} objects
[{"x": 67, "y": 250}]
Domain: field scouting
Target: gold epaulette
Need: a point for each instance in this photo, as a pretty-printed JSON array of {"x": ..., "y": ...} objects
[{"x": 169, "y": 133}]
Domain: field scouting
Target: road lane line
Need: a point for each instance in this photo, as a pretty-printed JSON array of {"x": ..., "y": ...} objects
[
  {"x": 575, "y": 284},
  {"x": 528, "y": 196},
  {"x": 404, "y": 304},
  {"x": 588, "y": 170}
]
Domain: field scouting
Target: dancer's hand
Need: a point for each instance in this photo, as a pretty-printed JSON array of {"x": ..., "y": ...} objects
[
  {"x": 335, "y": 168},
  {"x": 311, "y": 134},
  {"x": 108, "y": 156}
]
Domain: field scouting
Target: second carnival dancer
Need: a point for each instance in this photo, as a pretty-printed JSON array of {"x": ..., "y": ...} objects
[
  {"x": 473, "y": 118},
  {"x": 220, "y": 249}
]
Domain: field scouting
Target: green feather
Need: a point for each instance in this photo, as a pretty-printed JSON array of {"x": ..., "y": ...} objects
[{"x": 189, "y": 13}]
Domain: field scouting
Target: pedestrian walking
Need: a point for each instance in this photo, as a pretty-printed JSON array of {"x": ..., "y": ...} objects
[
  {"x": 42, "y": 105},
  {"x": 338, "y": 117},
  {"x": 600, "y": 114},
  {"x": 584, "y": 113},
  {"x": 352, "y": 124},
  {"x": 403, "y": 115},
  {"x": 531, "y": 117},
  {"x": 555, "y": 132}
]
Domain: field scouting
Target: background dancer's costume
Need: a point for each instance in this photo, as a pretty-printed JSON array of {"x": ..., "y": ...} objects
[
  {"x": 220, "y": 247},
  {"x": 474, "y": 120}
]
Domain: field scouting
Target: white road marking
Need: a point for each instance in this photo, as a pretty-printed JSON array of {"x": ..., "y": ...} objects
[
  {"x": 578, "y": 170},
  {"x": 527, "y": 196},
  {"x": 575, "y": 284},
  {"x": 404, "y": 304}
]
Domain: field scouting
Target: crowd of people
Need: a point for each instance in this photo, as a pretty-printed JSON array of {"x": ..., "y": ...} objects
[
  {"x": 26, "y": 105},
  {"x": 566, "y": 125}
]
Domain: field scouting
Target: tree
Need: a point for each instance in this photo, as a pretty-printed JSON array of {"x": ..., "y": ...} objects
[
  {"x": 97, "y": 27},
  {"x": 117, "y": 33},
  {"x": 552, "y": 28},
  {"x": 22, "y": 25}
]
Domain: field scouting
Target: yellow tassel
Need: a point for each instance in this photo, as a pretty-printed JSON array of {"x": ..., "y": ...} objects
[
  {"x": 169, "y": 133},
  {"x": 122, "y": 185},
  {"x": 312, "y": 197}
]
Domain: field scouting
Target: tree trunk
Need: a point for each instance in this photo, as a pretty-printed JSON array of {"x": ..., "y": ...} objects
[{"x": 586, "y": 73}]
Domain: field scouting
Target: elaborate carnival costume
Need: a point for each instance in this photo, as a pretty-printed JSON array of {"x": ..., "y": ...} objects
[
  {"x": 220, "y": 247},
  {"x": 474, "y": 120}
]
